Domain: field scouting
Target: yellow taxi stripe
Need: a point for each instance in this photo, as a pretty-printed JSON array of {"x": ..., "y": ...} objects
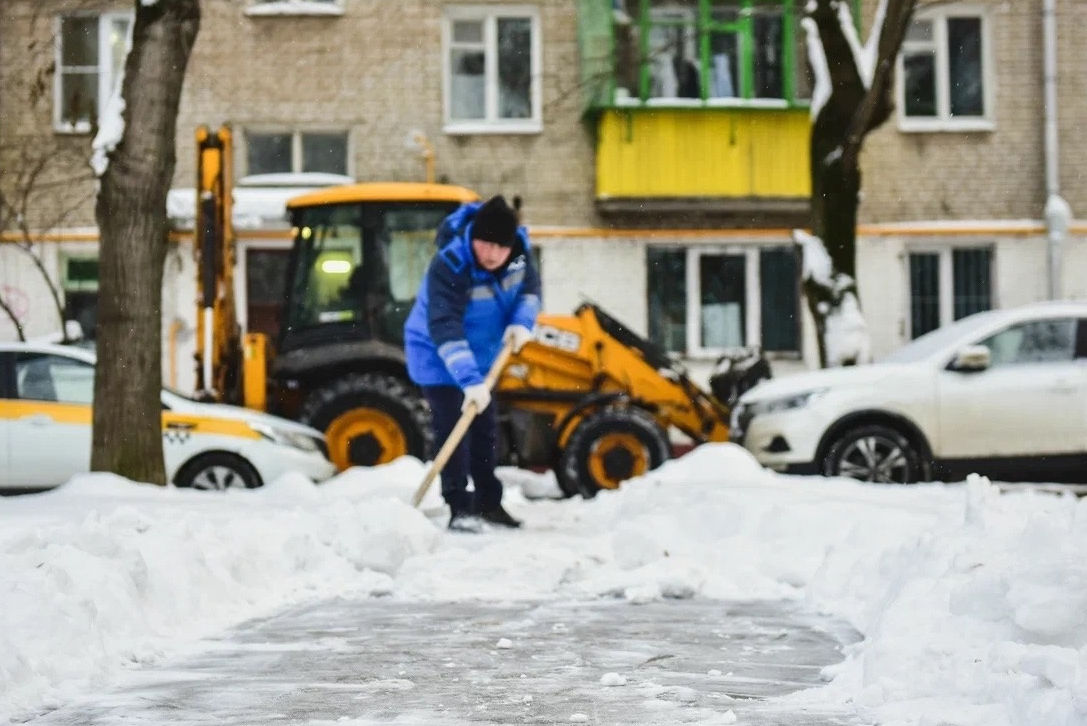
[
  {"x": 79, "y": 414},
  {"x": 63, "y": 413},
  {"x": 209, "y": 425}
]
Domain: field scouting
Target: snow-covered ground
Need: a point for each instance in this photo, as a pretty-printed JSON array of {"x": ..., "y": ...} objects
[{"x": 972, "y": 603}]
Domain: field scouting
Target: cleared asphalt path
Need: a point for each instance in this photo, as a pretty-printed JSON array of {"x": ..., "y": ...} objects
[{"x": 381, "y": 661}]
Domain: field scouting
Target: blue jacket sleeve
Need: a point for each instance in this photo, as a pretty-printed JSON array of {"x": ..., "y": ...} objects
[
  {"x": 528, "y": 303},
  {"x": 448, "y": 291}
]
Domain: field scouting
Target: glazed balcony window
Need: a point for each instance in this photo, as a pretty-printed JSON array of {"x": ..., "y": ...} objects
[{"x": 696, "y": 52}]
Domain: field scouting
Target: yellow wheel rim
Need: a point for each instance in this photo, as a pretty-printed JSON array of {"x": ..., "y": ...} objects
[
  {"x": 368, "y": 431},
  {"x": 628, "y": 458}
]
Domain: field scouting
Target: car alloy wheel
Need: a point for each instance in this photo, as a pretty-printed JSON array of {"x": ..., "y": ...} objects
[
  {"x": 217, "y": 478},
  {"x": 874, "y": 454},
  {"x": 218, "y": 471}
]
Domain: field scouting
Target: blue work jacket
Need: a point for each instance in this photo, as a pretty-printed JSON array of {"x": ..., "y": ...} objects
[{"x": 454, "y": 331}]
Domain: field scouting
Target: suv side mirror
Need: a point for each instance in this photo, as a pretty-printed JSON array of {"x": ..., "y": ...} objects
[{"x": 972, "y": 358}]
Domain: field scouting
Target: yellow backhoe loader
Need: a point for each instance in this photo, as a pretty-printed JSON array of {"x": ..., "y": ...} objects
[{"x": 587, "y": 397}]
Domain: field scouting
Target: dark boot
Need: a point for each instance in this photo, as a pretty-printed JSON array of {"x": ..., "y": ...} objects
[
  {"x": 501, "y": 517},
  {"x": 464, "y": 522}
]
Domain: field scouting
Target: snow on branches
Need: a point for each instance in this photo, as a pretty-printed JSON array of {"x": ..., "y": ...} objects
[{"x": 844, "y": 331}]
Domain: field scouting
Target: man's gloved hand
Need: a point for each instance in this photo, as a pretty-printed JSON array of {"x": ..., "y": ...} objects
[
  {"x": 518, "y": 335},
  {"x": 478, "y": 394}
]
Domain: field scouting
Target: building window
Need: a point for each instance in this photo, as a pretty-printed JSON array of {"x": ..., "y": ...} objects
[
  {"x": 703, "y": 301},
  {"x": 492, "y": 70},
  {"x": 80, "y": 285},
  {"x": 738, "y": 52},
  {"x": 284, "y": 152},
  {"x": 943, "y": 72},
  {"x": 947, "y": 285},
  {"x": 90, "y": 59}
]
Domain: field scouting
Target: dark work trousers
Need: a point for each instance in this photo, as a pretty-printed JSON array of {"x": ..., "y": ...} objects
[{"x": 476, "y": 455}]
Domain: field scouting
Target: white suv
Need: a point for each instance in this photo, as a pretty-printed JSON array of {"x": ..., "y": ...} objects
[{"x": 1000, "y": 393}]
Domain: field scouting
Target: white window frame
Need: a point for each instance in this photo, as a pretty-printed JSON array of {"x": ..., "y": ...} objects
[
  {"x": 106, "y": 79},
  {"x": 296, "y": 135},
  {"x": 752, "y": 299},
  {"x": 492, "y": 124},
  {"x": 290, "y": 8},
  {"x": 947, "y": 278},
  {"x": 944, "y": 121}
]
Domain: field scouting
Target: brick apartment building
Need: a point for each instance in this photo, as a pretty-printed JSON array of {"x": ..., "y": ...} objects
[{"x": 663, "y": 189}]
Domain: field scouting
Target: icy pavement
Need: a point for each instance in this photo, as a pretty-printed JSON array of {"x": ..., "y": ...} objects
[{"x": 383, "y": 661}]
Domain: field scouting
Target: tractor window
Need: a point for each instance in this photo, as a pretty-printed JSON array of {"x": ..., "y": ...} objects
[{"x": 361, "y": 265}]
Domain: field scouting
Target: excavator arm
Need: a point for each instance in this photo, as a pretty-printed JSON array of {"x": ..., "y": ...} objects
[{"x": 226, "y": 369}]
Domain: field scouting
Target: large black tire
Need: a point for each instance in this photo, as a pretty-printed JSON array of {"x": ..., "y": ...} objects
[
  {"x": 608, "y": 447},
  {"x": 218, "y": 470},
  {"x": 874, "y": 453},
  {"x": 369, "y": 419}
]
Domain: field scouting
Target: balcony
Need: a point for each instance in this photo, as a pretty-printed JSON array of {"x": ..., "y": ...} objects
[
  {"x": 747, "y": 154},
  {"x": 699, "y": 106}
]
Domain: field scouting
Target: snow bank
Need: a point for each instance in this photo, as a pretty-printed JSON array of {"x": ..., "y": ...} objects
[
  {"x": 972, "y": 603},
  {"x": 104, "y": 573}
]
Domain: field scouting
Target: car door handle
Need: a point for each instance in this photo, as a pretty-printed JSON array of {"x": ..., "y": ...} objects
[{"x": 37, "y": 419}]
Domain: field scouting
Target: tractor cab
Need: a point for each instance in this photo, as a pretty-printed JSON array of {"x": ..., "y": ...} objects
[{"x": 359, "y": 256}]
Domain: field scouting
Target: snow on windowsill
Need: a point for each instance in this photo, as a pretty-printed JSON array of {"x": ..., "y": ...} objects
[
  {"x": 922, "y": 126},
  {"x": 282, "y": 8},
  {"x": 484, "y": 127},
  {"x": 78, "y": 129}
]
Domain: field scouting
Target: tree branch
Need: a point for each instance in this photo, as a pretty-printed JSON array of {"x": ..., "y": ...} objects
[
  {"x": 14, "y": 320},
  {"x": 876, "y": 106},
  {"x": 26, "y": 244}
]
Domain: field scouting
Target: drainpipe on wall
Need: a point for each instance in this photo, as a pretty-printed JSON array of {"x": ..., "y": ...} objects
[{"x": 1058, "y": 215}]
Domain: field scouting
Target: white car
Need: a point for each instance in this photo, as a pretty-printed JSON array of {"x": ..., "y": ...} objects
[
  {"x": 1000, "y": 393},
  {"x": 45, "y": 429}
]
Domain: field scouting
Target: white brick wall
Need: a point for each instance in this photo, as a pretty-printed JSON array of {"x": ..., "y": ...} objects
[{"x": 608, "y": 271}]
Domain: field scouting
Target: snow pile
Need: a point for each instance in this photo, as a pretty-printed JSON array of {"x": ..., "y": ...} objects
[
  {"x": 104, "y": 572},
  {"x": 972, "y": 603}
]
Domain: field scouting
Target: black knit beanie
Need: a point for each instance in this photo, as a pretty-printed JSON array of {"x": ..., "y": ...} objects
[{"x": 496, "y": 222}]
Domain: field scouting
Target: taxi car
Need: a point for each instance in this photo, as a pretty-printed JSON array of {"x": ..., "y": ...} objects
[{"x": 46, "y": 391}]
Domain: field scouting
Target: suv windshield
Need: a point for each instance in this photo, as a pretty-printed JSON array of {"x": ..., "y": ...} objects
[
  {"x": 932, "y": 343},
  {"x": 356, "y": 268}
]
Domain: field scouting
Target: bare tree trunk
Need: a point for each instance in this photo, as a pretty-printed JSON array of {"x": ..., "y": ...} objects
[
  {"x": 131, "y": 213},
  {"x": 857, "y": 102}
]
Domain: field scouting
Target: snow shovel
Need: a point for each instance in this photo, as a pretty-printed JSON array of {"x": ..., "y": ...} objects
[{"x": 462, "y": 426}]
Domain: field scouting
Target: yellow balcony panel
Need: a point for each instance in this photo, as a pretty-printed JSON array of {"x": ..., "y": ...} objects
[{"x": 703, "y": 153}]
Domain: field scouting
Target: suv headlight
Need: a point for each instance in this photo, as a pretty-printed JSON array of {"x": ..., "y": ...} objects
[
  {"x": 285, "y": 438},
  {"x": 786, "y": 403}
]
